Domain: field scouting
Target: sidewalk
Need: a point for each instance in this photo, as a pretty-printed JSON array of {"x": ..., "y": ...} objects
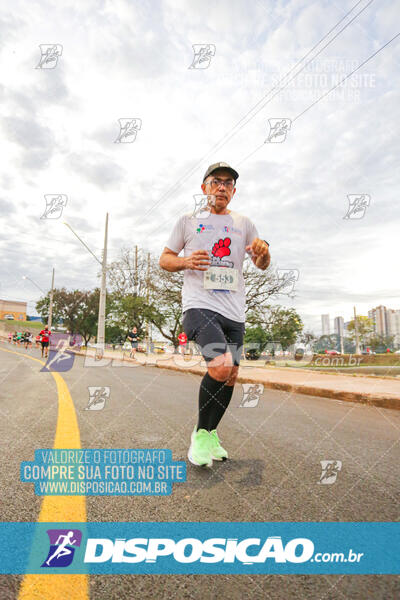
[{"x": 376, "y": 391}]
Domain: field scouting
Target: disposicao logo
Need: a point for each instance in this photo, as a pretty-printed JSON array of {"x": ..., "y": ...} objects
[
  {"x": 62, "y": 547},
  {"x": 190, "y": 550}
]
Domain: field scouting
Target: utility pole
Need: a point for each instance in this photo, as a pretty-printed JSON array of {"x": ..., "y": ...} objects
[
  {"x": 147, "y": 300},
  {"x": 102, "y": 303},
  {"x": 50, "y": 317},
  {"x": 356, "y": 332},
  {"x": 136, "y": 275}
]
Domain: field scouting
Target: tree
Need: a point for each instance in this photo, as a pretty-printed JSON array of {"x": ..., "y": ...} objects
[
  {"x": 166, "y": 302},
  {"x": 349, "y": 345},
  {"x": 125, "y": 276},
  {"x": 308, "y": 338},
  {"x": 257, "y": 335},
  {"x": 42, "y": 307},
  {"x": 379, "y": 343},
  {"x": 78, "y": 309},
  {"x": 262, "y": 286},
  {"x": 166, "y": 296},
  {"x": 126, "y": 311},
  {"x": 365, "y": 327},
  {"x": 144, "y": 291},
  {"x": 281, "y": 325},
  {"x": 286, "y": 327},
  {"x": 327, "y": 342},
  {"x": 86, "y": 319}
]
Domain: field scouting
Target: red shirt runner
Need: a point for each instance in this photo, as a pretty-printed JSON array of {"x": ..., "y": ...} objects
[
  {"x": 45, "y": 335},
  {"x": 182, "y": 337}
]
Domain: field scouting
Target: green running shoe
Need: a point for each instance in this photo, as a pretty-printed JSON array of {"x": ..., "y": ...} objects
[
  {"x": 200, "y": 452},
  {"x": 217, "y": 451}
]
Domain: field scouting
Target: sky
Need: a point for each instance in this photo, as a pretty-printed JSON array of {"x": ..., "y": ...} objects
[{"x": 117, "y": 60}]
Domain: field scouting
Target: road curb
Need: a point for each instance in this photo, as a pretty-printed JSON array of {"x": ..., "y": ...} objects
[{"x": 381, "y": 401}]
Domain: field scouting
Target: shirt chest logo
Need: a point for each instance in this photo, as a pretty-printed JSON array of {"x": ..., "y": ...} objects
[
  {"x": 231, "y": 230},
  {"x": 219, "y": 253},
  {"x": 201, "y": 228}
]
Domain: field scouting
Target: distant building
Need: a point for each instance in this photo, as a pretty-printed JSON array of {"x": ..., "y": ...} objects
[
  {"x": 386, "y": 321},
  {"x": 326, "y": 329},
  {"x": 379, "y": 317},
  {"x": 393, "y": 324},
  {"x": 13, "y": 308},
  {"x": 338, "y": 326}
]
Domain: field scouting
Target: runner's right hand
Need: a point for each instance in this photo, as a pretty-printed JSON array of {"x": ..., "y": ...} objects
[{"x": 199, "y": 260}]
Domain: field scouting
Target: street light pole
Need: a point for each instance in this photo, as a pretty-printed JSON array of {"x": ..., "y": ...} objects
[
  {"x": 136, "y": 273},
  {"x": 50, "y": 317},
  {"x": 356, "y": 332},
  {"x": 102, "y": 303},
  {"x": 34, "y": 283},
  {"x": 147, "y": 298},
  {"x": 31, "y": 280}
]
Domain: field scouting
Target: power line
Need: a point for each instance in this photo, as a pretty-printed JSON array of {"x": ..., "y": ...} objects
[
  {"x": 305, "y": 65},
  {"x": 231, "y": 133},
  {"x": 311, "y": 105},
  {"x": 330, "y": 90},
  {"x": 347, "y": 76}
]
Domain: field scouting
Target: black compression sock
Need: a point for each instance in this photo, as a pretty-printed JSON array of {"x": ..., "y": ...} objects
[
  {"x": 210, "y": 390},
  {"x": 219, "y": 407}
]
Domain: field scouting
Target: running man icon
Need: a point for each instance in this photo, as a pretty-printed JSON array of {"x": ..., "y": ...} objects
[{"x": 61, "y": 551}]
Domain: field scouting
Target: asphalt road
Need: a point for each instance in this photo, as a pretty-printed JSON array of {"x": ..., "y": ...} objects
[{"x": 272, "y": 475}]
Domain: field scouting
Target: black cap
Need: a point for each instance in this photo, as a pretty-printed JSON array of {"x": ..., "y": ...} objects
[{"x": 221, "y": 165}]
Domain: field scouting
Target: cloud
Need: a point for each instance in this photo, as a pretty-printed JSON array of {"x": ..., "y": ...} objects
[
  {"x": 6, "y": 207},
  {"x": 97, "y": 169},
  {"x": 131, "y": 60},
  {"x": 36, "y": 141}
]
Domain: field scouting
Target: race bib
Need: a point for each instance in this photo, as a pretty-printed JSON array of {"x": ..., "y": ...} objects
[{"x": 221, "y": 278}]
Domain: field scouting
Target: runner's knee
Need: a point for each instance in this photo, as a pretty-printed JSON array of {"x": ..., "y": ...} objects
[
  {"x": 233, "y": 376},
  {"x": 220, "y": 373}
]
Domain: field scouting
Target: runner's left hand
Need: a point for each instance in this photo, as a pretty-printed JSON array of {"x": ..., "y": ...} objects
[{"x": 259, "y": 252}]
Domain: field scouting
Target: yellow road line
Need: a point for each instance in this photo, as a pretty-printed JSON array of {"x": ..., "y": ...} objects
[{"x": 59, "y": 508}]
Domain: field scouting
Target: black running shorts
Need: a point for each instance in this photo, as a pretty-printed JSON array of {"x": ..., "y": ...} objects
[{"x": 214, "y": 333}]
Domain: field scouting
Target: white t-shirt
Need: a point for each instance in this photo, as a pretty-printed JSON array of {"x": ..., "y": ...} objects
[{"x": 225, "y": 237}]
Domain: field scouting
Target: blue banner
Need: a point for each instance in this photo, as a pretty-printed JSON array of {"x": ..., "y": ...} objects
[
  {"x": 103, "y": 472},
  {"x": 215, "y": 548}
]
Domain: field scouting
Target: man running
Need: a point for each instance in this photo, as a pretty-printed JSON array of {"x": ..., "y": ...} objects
[
  {"x": 182, "y": 338},
  {"x": 45, "y": 339},
  {"x": 28, "y": 340},
  {"x": 23, "y": 338},
  {"x": 132, "y": 337},
  {"x": 214, "y": 300}
]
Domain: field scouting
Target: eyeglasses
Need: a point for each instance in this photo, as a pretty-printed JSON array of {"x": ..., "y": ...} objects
[{"x": 216, "y": 183}]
